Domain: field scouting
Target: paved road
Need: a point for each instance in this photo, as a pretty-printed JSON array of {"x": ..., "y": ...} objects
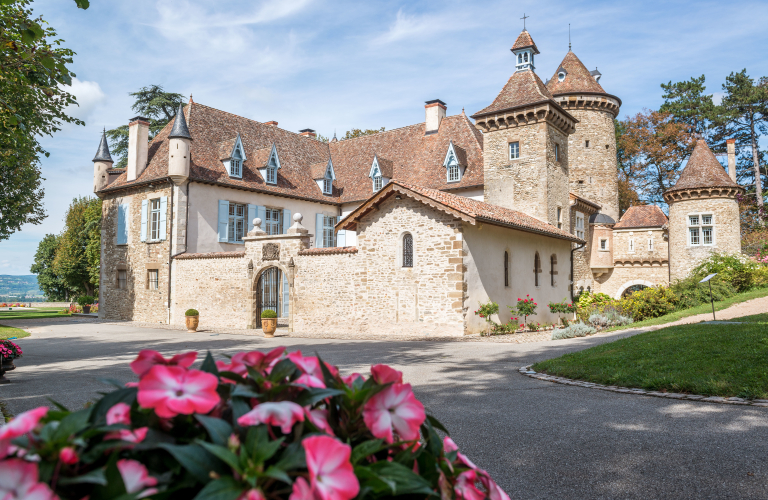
[{"x": 538, "y": 439}]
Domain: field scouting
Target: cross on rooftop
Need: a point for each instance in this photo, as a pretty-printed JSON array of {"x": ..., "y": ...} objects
[{"x": 524, "y": 18}]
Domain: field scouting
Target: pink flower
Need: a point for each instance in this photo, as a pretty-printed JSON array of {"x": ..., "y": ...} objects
[
  {"x": 283, "y": 414},
  {"x": 310, "y": 368},
  {"x": 19, "y": 481},
  {"x": 394, "y": 407},
  {"x": 449, "y": 445},
  {"x": 465, "y": 486},
  {"x": 172, "y": 390},
  {"x": 384, "y": 374},
  {"x": 68, "y": 455},
  {"x": 148, "y": 358},
  {"x": 350, "y": 379},
  {"x": 301, "y": 490},
  {"x": 330, "y": 472},
  {"x": 319, "y": 419},
  {"x": 259, "y": 360},
  {"x": 119, "y": 414},
  {"x": 136, "y": 478},
  {"x": 22, "y": 424},
  {"x": 5, "y": 448},
  {"x": 494, "y": 491},
  {"x": 252, "y": 494}
]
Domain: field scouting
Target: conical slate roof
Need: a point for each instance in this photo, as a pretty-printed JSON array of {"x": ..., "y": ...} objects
[
  {"x": 524, "y": 41},
  {"x": 577, "y": 78},
  {"x": 102, "y": 154},
  {"x": 703, "y": 170},
  {"x": 180, "y": 129},
  {"x": 523, "y": 88}
]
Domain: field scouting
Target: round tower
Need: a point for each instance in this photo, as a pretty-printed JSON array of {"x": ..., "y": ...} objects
[
  {"x": 102, "y": 162},
  {"x": 178, "y": 149},
  {"x": 703, "y": 213},
  {"x": 592, "y": 147}
]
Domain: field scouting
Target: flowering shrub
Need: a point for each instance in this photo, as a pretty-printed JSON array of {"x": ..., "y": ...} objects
[
  {"x": 275, "y": 425},
  {"x": 487, "y": 310},
  {"x": 525, "y": 307},
  {"x": 9, "y": 350},
  {"x": 574, "y": 330},
  {"x": 650, "y": 302},
  {"x": 735, "y": 269},
  {"x": 534, "y": 327}
]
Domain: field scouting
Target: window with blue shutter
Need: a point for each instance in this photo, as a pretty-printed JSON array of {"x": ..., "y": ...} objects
[
  {"x": 122, "y": 224},
  {"x": 251, "y": 215},
  {"x": 223, "y": 220},
  {"x": 286, "y": 220},
  {"x": 144, "y": 219}
]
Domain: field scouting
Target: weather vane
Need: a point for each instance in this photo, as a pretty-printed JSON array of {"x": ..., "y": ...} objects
[
  {"x": 524, "y": 18},
  {"x": 569, "y": 36}
]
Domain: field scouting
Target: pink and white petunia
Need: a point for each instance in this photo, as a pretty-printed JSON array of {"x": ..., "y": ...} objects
[
  {"x": 22, "y": 424},
  {"x": 136, "y": 478},
  {"x": 119, "y": 414},
  {"x": 252, "y": 494},
  {"x": 350, "y": 379},
  {"x": 68, "y": 455},
  {"x": 494, "y": 491},
  {"x": 331, "y": 475},
  {"x": 465, "y": 487},
  {"x": 19, "y": 480},
  {"x": 258, "y": 360},
  {"x": 449, "y": 445},
  {"x": 312, "y": 374},
  {"x": 319, "y": 419},
  {"x": 301, "y": 490},
  {"x": 149, "y": 358},
  {"x": 384, "y": 374},
  {"x": 282, "y": 414},
  {"x": 394, "y": 408},
  {"x": 172, "y": 390}
]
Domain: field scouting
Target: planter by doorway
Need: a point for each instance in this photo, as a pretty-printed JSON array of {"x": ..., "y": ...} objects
[
  {"x": 86, "y": 309},
  {"x": 269, "y": 325}
]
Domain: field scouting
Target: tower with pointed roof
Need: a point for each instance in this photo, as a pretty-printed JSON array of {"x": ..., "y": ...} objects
[
  {"x": 525, "y": 142},
  {"x": 178, "y": 149},
  {"x": 102, "y": 162},
  {"x": 703, "y": 212},
  {"x": 592, "y": 146}
]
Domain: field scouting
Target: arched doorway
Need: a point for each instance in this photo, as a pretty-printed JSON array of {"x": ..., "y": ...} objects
[
  {"x": 272, "y": 292},
  {"x": 632, "y": 289}
]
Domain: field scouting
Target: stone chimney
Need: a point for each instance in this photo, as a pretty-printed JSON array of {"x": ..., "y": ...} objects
[
  {"x": 272, "y": 123},
  {"x": 435, "y": 111},
  {"x": 730, "y": 145},
  {"x": 138, "y": 147},
  {"x": 307, "y": 132}
]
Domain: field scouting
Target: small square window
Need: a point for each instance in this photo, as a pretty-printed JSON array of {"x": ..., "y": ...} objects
[
  {"x": 693, "y": 220},
  {"x": 153, "y": 279},
  {"x": 603, "y": 243},
  {"x": 706, "y": 219},
  {"x": 514, "y": 150}
]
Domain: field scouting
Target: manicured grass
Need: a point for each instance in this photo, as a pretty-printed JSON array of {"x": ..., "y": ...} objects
[
  {"x": 716, "y": 360},
  {"x": 43, "y": 312},
  {"x": 7, "y": 332},
  {"x": 700, "y": 309}
]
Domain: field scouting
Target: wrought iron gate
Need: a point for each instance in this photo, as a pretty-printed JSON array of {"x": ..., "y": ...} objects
[{"x": 272, "y": 293}]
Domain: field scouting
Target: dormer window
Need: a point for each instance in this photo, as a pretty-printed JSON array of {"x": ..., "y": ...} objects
[
  {"x": 377, "y": 176},
  {"x": 234, "y": 163},
  {"x": 378, "y": 182},
  {"x": 273, "y": 165},
  {"x": 560, "y": 76},
  {"x": 451, "y": 164}
]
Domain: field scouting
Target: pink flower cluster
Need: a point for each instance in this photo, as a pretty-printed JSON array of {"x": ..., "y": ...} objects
[{"x": 9, "y": 349}]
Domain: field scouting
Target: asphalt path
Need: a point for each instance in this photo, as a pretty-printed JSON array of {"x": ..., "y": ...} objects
[{"x": 536, "y": 438}]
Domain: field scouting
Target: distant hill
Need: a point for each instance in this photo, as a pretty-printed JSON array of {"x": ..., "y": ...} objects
[{"x": 19, "y": 286}]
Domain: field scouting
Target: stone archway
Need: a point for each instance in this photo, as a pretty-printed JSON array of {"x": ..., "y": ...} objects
[
  {"x": 628, "y": 284},
  {"x": 273, "y": 289}
]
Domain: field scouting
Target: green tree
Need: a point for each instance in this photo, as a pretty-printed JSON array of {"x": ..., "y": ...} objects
[
  {"x": 356, "y": 132},
  {"x": 34, "y": 79},
  {"x": 688, "y": 103},
  {"x": 53, "y": 285},
  {"x": 151, "y": 102},
  {"x": 743, "y": 115},
  {"x": 74, "y": 263},
  {"x": 626, "y": 162}
]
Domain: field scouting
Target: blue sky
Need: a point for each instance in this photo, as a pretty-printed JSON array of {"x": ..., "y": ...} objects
[{"x": 342, "y": 64}]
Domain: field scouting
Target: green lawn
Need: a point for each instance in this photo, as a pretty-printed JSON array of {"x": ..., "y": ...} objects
[
  {"x": 7, "y": 332},
  {"x": 42, "y": 312},
  {"x": 714, "y": 360},
  {"x": 701, "y": 309}
]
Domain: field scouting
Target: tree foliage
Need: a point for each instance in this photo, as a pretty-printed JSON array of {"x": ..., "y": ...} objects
[
  {"x": 354, "y": 133},
  {"x": 151, "y": 102},
  {"x": 33, "y": 99},
  {"x": 687, "y": 103},
  {"x": 53, "y": 286}
]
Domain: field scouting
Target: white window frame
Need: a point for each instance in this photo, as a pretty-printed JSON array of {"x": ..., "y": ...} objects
[
  {"x": 236, "y": 159},
  {"x": 378, "y": 183},
  {"x": 329, "y": 234},
  {"x": 514, "y": 150},
  {"x": 154, "y": 219},
  {"x": 454, "y": 173},
  {"x": 697, "y": 228},
  {"x": 236, "y": 224},
  {"x": 273, "y": 220},
  {"x": 579, "y": 225},
  {"x": 603, "y": 248},
  {"x": 327, "y": 185},
  {"x": 451, "y": 164}
]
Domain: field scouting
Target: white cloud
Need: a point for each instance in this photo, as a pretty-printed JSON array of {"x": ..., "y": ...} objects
[
  {"x": 408, "y": 27},
  {"x": 717, "y": 97},
  {"x": 89, "y": 95}
]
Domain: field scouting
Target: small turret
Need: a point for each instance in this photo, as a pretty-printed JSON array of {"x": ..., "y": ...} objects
[
  {"x": 101, "y": 163},
  {"x": 178, "y": 149}
]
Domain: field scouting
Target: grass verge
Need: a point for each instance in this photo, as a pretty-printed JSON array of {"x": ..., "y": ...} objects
[
  {"x": 700, "y": 309},
  {"x": 7, "y": 332},
  {"x": 43, "y": 312},
  {"x": 713, "y": 360}
]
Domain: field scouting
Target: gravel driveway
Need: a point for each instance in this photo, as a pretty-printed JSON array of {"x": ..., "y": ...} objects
[{"x": 538, "y": 439}]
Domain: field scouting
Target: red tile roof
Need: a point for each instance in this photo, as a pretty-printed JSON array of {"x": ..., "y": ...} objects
[
  {"x": 211, "y": 255},
  {"x": 642, "y": 216},
  {"x": 703, "y": 170},
  {"x": 577, "y": 78},
  {"x": 407, "y": 153},
  {"x": 328, "y": 251},
  {"x": 466, "y": 208},
  {"x": 524, "y": 41},
  {"x": 523, "y": 88}
]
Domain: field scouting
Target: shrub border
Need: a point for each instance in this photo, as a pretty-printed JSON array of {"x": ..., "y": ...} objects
[{"x": 529, "y": 372}]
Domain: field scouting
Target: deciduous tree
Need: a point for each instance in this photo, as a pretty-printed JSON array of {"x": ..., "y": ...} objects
[
  {"x": 75, "y": 261},
  {"x": 53, "y": 285}
]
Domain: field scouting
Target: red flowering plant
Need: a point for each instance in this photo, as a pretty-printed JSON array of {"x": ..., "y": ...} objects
[
  {"x": 260, "y": 426},
  {"x": 525, "y": 307},
  {"x": 9, "y": 350}
]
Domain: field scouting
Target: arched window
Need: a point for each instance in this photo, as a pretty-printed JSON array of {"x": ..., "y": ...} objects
[
  {"x": 407, "y": 250},
  {"x": 520, "y": 58},
  {"x": 525, "y": 57},
  {"x": 536, "y": 268},
  {"x": 506, "y": 268},
  {"x": 553, "y": 268}
]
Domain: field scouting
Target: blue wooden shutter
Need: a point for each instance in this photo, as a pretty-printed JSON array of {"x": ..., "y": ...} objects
[
  {"x": 251, "y": 215},
  {"x": 223, "y": 220},
  {"x": 286, "y": 295},
  {"x": 341, "y": 238},
  {"x": 122, "y": 226},
  {"x": 286, "y": 220},
  {"x": 144, "y": 220},
  {"x": 261, "y": 213},
  {"x": 163, "y": 210},
  {"x": 319, "y": 230}
]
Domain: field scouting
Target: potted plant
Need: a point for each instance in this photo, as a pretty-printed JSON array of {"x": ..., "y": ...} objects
[
  {"x": 8, "y": 352},
  {"x": 269, "y": 322},
  {"x": 192, "y": 317},
  {"x": 85, "y": 302}
]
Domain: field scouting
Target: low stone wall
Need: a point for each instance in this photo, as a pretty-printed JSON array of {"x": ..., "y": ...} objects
[{"x": 46, "y": 304}]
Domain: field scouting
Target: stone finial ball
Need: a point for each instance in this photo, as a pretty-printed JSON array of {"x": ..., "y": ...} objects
[
  {"x": 256, "y": 222},
  {"x": 297, "y": 217}
]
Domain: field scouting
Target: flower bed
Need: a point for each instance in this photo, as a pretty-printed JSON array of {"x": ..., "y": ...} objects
[{"x": 275, "y": 425}]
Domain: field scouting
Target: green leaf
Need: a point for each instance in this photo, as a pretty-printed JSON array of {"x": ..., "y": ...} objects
[
  {"x": 82, "y": 4},
  {"x": 97, "y": 476},
  {"x": 223, "y": 453},
  {"x": 403, "y": 480},
  {"x": 313, "y": 395},
  {"x": 437, "y": 425},
  {"x": 366, "y": 449},
  {"x": 276, "y": 473},
  {"x": 244, "y": 391},
  {"x": 209, "y": 365},
  {"x": 196, "y": 459},
  {"x": 281, "y": 370},
  {"x": 72, "y": 424},
  {"x": 225, "y": 488},
  {"x": 292, "y": 458},
  {"x": 327, "y": 376},
  {"x": 47, "y": 62},
  {"x": 239, "y": 408},
  {"x": 217, "y": 428}
]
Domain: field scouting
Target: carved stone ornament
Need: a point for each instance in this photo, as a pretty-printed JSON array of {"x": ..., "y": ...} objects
[{"x": 270, "y": 251}]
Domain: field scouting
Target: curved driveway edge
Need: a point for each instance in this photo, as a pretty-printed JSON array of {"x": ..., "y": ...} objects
[{"x": 528, "y": 372}]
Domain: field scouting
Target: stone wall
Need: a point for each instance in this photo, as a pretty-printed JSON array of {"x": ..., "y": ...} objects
[
  {"x": 327, "y": 288},
  {"x": 135, "y": 302},
  {"x": 625, "y": 275},
  {"x": 727, "y": 235},
  {"x": 643, "y": 266}
]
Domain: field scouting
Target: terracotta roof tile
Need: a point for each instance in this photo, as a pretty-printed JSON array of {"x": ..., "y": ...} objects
[
  {"x": 523, "y": 41},
  {"x": 317, "y": 170},
  {"x": 211, "y": 255},
  {"x": 328, "y": 251},
  {"x": 523, "y": 88},
  {"x": 577, "y": 78},
  {"x": 703, "y": 170},
  {"x": 642, "y": 216},
  {"x": 225, "y": 148}
]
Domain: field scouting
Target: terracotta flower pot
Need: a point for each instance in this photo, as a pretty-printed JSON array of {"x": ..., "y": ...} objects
[
  {"x": 192, "y": 322},
  {"x": 86, "y": 309},
  {"x": 269, "y": 325}
]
